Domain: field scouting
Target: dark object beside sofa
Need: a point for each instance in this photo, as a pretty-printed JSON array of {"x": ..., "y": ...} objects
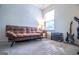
[
  {"x": 20, "y": 33},
  {"x": 57, "y": 36}
]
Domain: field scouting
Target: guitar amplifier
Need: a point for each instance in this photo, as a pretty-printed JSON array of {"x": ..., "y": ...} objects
[{"x": 57, "y": 36}]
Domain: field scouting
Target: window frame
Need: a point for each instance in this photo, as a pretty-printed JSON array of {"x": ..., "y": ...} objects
[{"x": 50, "y": 28}]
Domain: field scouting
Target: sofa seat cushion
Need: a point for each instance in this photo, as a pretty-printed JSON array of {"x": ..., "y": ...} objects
[
  {"x": 27, "y": 34},
  {"x": 21, "y": 34},
  {"x": 19, "y": 30},
  {"x": 33, "y": 34}
]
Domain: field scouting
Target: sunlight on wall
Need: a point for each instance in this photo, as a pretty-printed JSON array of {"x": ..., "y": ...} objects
[{"x": 40, "y": 24}]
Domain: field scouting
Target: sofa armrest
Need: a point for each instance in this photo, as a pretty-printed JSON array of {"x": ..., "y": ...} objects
[
  {"x": 41, "y": 32},
  {"x": 10, "y": 34}
]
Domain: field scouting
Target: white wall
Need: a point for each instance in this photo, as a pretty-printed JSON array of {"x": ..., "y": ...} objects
[
  {"x": 63, "y": 16},
  {"x": 22, "y": 15}
]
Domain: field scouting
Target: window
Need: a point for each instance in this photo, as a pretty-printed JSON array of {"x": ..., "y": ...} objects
[{"x": 49, "y": 20}]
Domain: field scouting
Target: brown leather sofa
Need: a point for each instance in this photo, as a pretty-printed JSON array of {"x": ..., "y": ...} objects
[{"x": 19, "y": 33}]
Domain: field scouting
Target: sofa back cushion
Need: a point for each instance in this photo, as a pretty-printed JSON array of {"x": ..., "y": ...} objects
[
  {"x": 33, "y": 29},
  {"x": 21, "y": 29},
  {"x": 9, "y": 28},
  {"x": 16, "y": 29},
  {"x": 28, "y": 29}
]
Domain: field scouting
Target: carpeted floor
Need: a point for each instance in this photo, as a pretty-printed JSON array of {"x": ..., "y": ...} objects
[{"x": 40, "y": 47}]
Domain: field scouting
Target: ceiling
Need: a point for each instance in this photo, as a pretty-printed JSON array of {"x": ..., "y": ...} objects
[{"x": 42, "y": 6}]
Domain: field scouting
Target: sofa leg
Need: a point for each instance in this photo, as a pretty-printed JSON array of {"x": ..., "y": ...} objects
[
  {"x": 41, "y": 38},
  {"x": 77, "y": 53},
  {"x": 12, "y": 43}
]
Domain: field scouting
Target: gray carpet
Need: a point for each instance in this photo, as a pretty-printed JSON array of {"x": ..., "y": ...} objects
[
  {"x": 35, "y": 48},
  {"x": 41, "y": 47}
]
